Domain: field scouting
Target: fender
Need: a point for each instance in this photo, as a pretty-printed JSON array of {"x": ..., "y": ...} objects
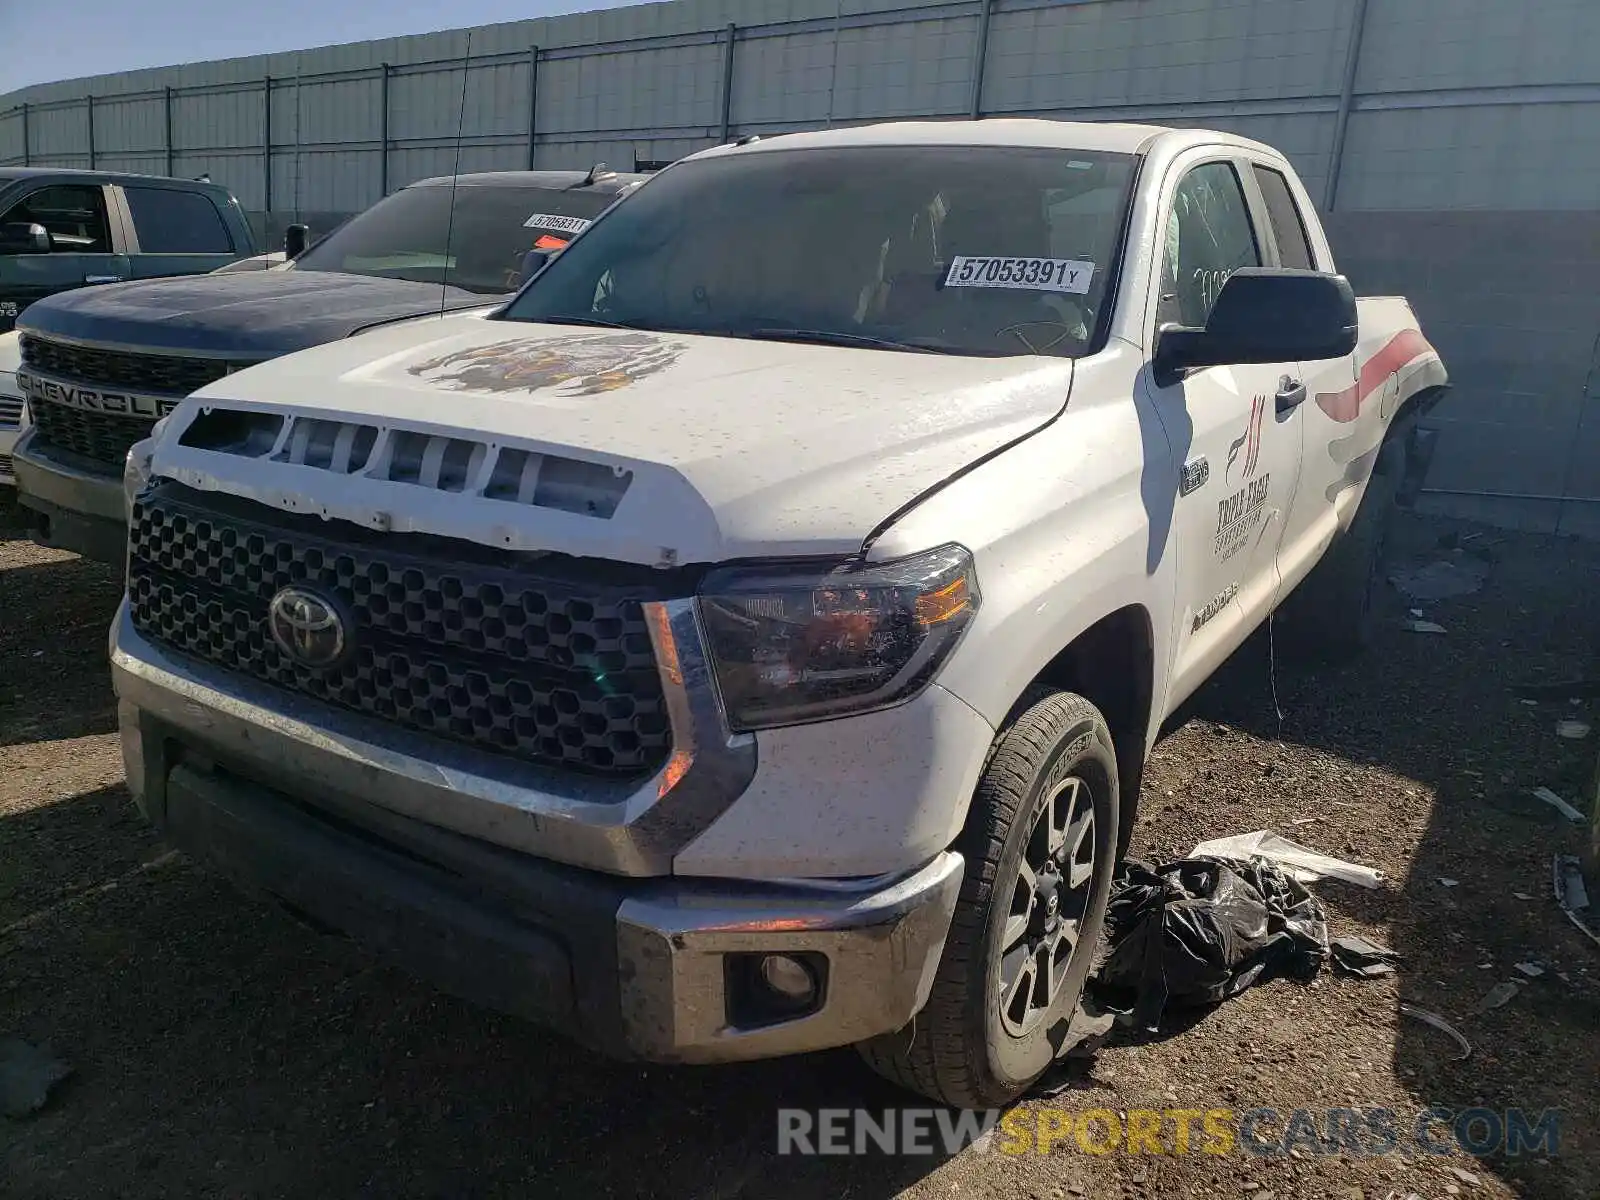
[{"x": 1065, "y": 528}]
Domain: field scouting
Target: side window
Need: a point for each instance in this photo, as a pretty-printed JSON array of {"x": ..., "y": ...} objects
[
  {"x": 1208, "y": 238},
  {"x": 170, "y": 222},
  {"x": 1294, "y": 247},
  {"x": 75, "y": 218}
]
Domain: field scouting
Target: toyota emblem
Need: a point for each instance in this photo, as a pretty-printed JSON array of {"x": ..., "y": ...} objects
[{"x": 308, "y": 627}]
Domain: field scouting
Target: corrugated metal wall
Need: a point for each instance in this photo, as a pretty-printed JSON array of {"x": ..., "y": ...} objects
[{"x": 1458, "y": 142}]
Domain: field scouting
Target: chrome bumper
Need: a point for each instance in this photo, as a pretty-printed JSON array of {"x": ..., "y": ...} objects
[
  {"x": 78, "y": 510},
  {"x": 447, "y": 867}
]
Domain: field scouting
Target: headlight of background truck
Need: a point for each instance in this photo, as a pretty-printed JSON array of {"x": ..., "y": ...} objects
[{"x": 804, "y": 642}]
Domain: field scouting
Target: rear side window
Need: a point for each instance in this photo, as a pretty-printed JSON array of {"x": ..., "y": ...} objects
[
  {"x": 1294, "y": 247},
  {"x": 169, "y": 222}
]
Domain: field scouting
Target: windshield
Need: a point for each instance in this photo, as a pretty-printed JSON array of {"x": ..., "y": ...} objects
[
  {"x": 404, "y": 235},
  {"x": 980, "y": 250}
]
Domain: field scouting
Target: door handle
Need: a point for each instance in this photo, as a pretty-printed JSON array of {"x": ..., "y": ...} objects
[
  {"x": 102, "y": 278},
  {"x": 1290, "y": 393}
]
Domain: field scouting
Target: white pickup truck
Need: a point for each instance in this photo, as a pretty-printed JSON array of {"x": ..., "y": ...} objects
[
  {"x": 748, "y": 640},
  {"x": 13, "y": 405}
]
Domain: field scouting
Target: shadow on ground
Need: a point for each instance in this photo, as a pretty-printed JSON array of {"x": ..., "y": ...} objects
[
  {"x": 222, "y": 1049},
  {"x": 1439, "y": 710}
]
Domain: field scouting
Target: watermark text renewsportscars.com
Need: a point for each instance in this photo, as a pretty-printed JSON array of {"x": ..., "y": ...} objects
[{"x": 1257, "y": 1132}]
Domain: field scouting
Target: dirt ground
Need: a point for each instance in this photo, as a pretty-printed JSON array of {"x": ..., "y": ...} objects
[{"x": 219, "y": 1049}]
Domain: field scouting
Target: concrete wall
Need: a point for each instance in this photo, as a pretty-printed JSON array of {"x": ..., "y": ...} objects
[{"x": 1456, "y": 142}]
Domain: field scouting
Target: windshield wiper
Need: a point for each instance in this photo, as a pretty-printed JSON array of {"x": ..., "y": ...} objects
[
  {"x": 598, "y": 322},
  {"x": 829, "y": 337}
]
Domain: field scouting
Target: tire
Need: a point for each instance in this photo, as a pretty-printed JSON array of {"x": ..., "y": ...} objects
[
  {"x": 960, "y": 1049},
  {"x": 1332, "y": 615}
]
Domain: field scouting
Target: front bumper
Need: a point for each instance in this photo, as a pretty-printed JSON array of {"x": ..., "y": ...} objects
[
  {"x": 635, "y": 968},
  {"x": 72, "y": 508},
  {"x": 644, "y": 967},
  {"x": 8, "y": 439}
]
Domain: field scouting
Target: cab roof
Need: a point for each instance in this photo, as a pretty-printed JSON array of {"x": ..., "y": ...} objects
[
  {"x": 550, "y": 181},
  {"x": 79, "y": 175},
  {"x": 1105, "y": 136}
]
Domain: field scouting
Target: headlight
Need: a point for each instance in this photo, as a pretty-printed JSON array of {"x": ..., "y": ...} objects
[{"x": 804, "y": 642}]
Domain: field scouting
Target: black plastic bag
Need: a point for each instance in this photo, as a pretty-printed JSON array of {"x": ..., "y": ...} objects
[{"x": 1201, "y": 930}]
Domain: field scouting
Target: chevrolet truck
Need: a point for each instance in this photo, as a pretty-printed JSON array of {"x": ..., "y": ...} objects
[
  {"x": 748, "y": 639},
  {"x": 100, "y": 367}
]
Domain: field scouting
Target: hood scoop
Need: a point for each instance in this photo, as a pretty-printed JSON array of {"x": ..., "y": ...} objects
[{"x": 395, "y": 455}]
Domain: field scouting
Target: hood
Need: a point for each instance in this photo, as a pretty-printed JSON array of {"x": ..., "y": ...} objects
[
  {"x": 247, "y": 315},
  {"x": 712, "y": 448}
]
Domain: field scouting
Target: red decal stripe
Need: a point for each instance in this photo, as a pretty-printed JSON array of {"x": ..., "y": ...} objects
[{"x": 1345, "y": 406}]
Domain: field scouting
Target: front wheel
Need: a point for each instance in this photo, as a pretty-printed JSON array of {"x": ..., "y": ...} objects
[{"x": 1039, "y": 845}]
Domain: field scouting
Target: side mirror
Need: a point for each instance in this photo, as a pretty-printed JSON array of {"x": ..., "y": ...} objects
[
  {"x": 1264, "y": 315},
  {"x": 534, "y": 261},
  {"x": 294, "y": 240},
  {"x": 24, "y": 237}
]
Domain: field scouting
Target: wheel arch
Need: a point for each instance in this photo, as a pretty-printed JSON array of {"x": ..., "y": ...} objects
[{"x": 1111, "y": 664}]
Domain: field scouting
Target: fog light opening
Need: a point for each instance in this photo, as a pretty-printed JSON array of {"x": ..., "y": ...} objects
[{"x": 770, "y": 988}]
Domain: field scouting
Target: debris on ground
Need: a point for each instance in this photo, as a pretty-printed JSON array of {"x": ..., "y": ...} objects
[
  {"x": 27, "y": 1075},
  {"x": 1572, "y": 895},
  {"x": 1446, "y": 882},
  {"x": 1557, "y": 803},
  {"x": 1571, "y": 729},
  {"x": 1499, "y": 996},
  {"x": 1439, "y": 1023},
  {"x": 1303, "y": 864},
  {"x": 1441, "y": 579},
  {"x": 1354, "y": 955},
  {"x": 1531, "y": 969},
  {"x": 1086, "y": 1033},
  {"x": 1201, "y": 930},
  {"x": 1423, "y": 626}
]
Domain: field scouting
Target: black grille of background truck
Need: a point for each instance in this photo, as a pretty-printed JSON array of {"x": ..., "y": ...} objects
[{"x": 100, "y": 436}]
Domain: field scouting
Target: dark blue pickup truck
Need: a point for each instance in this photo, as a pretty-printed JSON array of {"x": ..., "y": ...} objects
[{"x": 102, "y": 365}]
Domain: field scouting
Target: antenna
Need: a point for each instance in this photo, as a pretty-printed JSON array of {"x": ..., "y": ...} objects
[
  {"x": 455, "y": 174},
  {"x": 297, "y": 160}
]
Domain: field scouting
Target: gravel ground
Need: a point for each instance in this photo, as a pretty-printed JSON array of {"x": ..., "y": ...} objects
[{"x": 222, "y": 1050}]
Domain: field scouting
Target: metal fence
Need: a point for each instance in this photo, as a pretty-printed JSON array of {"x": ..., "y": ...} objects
[
  {"x": 329, "y": 130},
  {"x": 1424, "y": 126}
]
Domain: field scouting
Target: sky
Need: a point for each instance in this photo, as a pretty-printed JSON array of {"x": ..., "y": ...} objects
[{"x": 114, "y": 35}]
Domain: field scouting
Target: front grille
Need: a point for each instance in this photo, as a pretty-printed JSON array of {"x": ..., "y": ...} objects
[
  {"x": 10, "y": 411},
  {"x": 102, "y": 437},
  {"x": 173, "y": 375},
  {"x": 548, "y": 670},
  {"x": 5, "y": 465}
]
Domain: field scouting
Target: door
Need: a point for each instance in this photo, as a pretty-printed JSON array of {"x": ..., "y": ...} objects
[
  {"x": 81, "y": 246},
  {"x": 1335, "y": 447},
  {"x": 176, "y": 232},
  {"x": 1240, "y": 456}
]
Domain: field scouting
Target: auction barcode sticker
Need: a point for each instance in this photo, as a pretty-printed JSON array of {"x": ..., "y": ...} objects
[
  {"x": 573, "y": 225},
  {"x": 1031, "y": 274}
]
